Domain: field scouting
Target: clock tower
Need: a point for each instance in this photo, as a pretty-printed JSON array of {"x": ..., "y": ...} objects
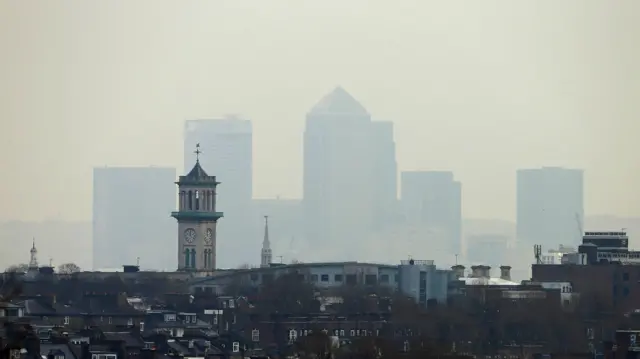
[{"x": 197, "y": 219}]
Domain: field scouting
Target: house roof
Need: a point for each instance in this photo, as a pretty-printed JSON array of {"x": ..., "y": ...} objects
[
  {"x": 46, "y": 348},
  {"x": 129, "y": 339}
]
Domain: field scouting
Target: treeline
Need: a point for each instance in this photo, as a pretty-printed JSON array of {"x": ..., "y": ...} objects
[{"x": 468, "y": 323}]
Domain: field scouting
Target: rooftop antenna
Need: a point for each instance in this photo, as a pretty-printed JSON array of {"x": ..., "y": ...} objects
[
  {"x": 50, "y": 262},
  {"x": 456, "y": 258},
  {"x": 537, "y": 253},
  {"x": 280, "y": 259},
  {"x": 138, "y": 261}
]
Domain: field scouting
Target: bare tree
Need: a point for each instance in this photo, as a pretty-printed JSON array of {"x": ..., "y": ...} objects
[
  {"x": 68, "y": 268},
  {"x": 288, "y": 293},
  {"x": 18, "y": 268}
]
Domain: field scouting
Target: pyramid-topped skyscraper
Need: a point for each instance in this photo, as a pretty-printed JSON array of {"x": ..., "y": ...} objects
[{"x": 349, "y": 174}]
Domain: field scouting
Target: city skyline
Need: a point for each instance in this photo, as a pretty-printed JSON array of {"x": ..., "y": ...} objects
[{"x": 481, "y": 92}]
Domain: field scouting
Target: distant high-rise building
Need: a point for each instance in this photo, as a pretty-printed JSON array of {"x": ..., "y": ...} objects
[
  {"x": 349, "y": 171},
  {"x": 550, "y": 209},
  {"x": 432, "y": 200},
  {"x": 385, "y": 175},
  {"x": 227, "y": 147},
  {"x": 131, "y": 207}
]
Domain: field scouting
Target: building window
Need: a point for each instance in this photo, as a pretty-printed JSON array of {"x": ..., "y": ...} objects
[
  {"x": 232, "y": 304},
  {"x": 324, "y": 278},
  {"x": 384, "y": 278},
  {"x": 338, "y": 278},
  {"x": 190, "y": 200},
  {"x": 314, "y": 277},
  {"x": 197, "y": 200},
  {"x": 66, "y": 320},
  {"x": 370, "y": 279},
  {"x": 625, "y": 291},
  {"x": 293, "y": 335},
  {"x": 352, "y": 279},
  {"x": 187, "y": 257},
  {"x": 254, "y": 277},
  {"x": 236, "y": 347},
  {"x": 352, "y": 333},
  {"x": 342, "y": 332},
  {"x": 169, "y": 317},
  {"x": 110, "y": 321},
  {"x": 130, "y": 322},
  {"x": 255, "y": 335}
]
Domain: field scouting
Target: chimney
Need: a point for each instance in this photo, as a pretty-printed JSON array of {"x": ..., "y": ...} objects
[
  {"x": 476, "y": 272},
  {"x": 505, "y": 273},
  {"x": 85, "y": 353},
  {"x": 486, "y": 271},
  {"x": 458, "y": 270}
]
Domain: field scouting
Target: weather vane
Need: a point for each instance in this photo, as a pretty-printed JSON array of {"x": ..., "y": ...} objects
[{"x": 197, "y": 152}]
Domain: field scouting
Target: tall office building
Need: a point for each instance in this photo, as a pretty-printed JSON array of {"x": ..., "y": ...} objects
[
  {"x": 550, "y": 206},
  {"x": 131, "y": 207},
  {"x": 227, "y": 151},
  {"x": 385, "y": 174},
  {"x": 432, "y": 202},
  {"x": 349, "y": 165}
]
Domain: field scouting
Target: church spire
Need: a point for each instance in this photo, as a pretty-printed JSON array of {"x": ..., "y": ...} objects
[
  {"x": 265, "y": 253},
  {"x": 33, "y": 261}
]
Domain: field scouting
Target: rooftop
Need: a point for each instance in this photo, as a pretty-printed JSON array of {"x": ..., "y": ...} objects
[{"x": 339, "y": 101}]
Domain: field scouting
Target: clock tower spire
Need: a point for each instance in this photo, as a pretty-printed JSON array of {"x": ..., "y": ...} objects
[{"x": 197, "y": 219}]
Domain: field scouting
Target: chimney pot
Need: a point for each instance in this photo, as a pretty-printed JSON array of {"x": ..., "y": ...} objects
[
  {"x": 458, "y": 270},
  {"x": 505, "y": 272},
  {"x": 486, "y": 271},
  {"x": 475, "y": 272}
]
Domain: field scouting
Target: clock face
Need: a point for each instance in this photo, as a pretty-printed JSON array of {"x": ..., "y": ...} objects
[
  {"x": 208, "y": 236},
  {"x": 189, "y": 235}
]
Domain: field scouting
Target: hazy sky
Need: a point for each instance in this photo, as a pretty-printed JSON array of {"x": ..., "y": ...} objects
[{"x": 478, "y": 87}]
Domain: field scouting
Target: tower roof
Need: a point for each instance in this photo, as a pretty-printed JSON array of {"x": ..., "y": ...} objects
[
  {"x": 197, "y": 173},
  {"x": 339, "y": 101}
]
